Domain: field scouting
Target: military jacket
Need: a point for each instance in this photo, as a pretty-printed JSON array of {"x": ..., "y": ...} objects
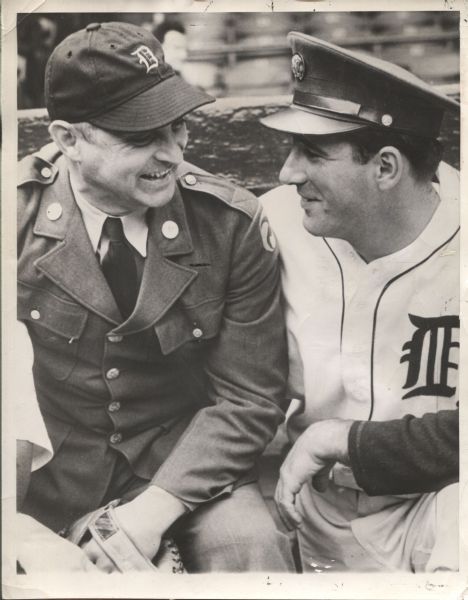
[{"x": 189, "y": 387}]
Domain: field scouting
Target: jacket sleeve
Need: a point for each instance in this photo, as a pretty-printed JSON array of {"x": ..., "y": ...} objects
[
  {"x": 246, "y": 376},
  {"x": 407, "y": 455}
]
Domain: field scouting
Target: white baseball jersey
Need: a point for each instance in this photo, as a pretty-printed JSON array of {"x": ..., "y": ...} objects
[
  {"x": 374, "y": 340},
  {"x": 377, "y": 341}
]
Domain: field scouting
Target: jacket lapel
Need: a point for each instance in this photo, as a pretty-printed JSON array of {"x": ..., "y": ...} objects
[
  {"x": 71, "y": 264},
  {"x": 163, "y": 281}
]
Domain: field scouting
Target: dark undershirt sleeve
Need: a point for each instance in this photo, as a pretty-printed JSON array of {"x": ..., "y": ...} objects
[{"x": 407, "y": 455}]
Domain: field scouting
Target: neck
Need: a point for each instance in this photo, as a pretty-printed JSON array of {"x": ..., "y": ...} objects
[
  {"x": 399, "y": 221},
  {"x": 93, "y": 196}
]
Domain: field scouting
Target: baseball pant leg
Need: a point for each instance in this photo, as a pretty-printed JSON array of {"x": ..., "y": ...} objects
[
  {"x": 326, "y": 539},
  {"x": 437, "y": 546}
]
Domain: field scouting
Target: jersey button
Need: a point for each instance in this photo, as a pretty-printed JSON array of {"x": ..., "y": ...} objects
[
  {"x": 115, "y": 339},
  {"x": 112, "y": 373},
  {"x": 35, "y": 314},
  {"x": 115, "y": 438},
  {"x": 113, "y": 406},
  {"x": 46, "y": 172},
  {"x": 197, "y": 332}
]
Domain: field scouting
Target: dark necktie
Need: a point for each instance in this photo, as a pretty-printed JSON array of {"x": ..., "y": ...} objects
[{"x": 119, "y": 267}]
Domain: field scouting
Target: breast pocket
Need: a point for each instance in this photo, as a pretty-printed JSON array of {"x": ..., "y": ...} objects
[
  {"x": 55, "y": 326},
  {"x": 190, "y": 326}
]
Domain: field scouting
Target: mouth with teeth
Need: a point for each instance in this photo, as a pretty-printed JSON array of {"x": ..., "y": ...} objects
[{"x": 157, "y": 175}]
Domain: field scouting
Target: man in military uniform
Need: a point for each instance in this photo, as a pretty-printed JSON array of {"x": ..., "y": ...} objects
[
  {"x": 153, "y": 307},
  {"x": 368, "y": 229}
]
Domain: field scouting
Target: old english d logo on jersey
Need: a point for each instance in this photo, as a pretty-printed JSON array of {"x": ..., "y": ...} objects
[
  {"x": 146, "y": 57},
  {"x": 428, "y": 355}
]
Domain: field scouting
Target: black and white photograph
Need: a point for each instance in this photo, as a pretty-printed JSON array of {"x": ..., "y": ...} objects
[{"x": 231, "y": 327}]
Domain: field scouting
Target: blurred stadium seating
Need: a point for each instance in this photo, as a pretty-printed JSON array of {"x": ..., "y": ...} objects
[{"x": 246, "y": 54}]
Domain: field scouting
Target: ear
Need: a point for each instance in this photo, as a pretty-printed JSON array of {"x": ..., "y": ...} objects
[
  {"x": 66, "y": 138},
  {"x": 389, "y": 166}
]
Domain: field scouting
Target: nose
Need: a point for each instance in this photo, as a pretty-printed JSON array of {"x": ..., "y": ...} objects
[
  {"x": 292, "y": 171},
  {"x": 170, "y": 145}
]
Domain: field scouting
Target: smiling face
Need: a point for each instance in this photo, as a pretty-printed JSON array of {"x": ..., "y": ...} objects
[
  {"x": 124, "y": 172},
  {"x": 335, "y": 189}
]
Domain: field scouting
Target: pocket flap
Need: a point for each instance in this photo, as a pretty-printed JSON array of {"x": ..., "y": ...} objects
[
  {"x": 189, "y": 324},
  {"x": 41, "y": 307}
]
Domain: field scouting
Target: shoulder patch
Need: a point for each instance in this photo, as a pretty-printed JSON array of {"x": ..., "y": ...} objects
[
  {"x": 198, "y": 180},
  {"x": 39, "y": 167}
]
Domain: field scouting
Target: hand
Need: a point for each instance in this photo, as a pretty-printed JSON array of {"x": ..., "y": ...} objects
[
  {"x": 311, "y": 458},
  {"x": 145, "y": 519},
  {"x": 41, "y": 550}
]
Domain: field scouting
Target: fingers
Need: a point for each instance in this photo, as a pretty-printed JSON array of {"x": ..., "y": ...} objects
[
  {"x": 87, "y": 565},
  {"x": 301, "y": 466},
  {"x": 98, "y": 557},
  {"x": 285, "y": 500},
  {"x": 105, "y": 564}
]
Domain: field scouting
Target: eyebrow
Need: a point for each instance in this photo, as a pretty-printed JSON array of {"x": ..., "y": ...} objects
[
  {"x": 308, "y": 142},
  {"x": 136, "y": 135}
]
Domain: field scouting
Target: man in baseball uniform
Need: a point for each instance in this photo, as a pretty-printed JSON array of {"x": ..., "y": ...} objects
[{"x": 367, "y": 223}]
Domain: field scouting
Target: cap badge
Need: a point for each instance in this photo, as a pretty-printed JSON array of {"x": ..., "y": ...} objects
[
  {"x": 146, "y": 57},
  {"x": 298, "y": 66}
]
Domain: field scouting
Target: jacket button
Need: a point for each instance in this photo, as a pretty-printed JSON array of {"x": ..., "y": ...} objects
[
  {"x": 197, "y": 332},
  {"x": 112, "y": 373},
  {"x": 190, "y": 179},
  {"x": 387, "y": 120},
  {"x": 46, "y": 172},
  {"x": 54, "y": 211},
  {"x": 115, "y": 338},
  {"x": 115, "y": 438},
  {"x": 113, "y": 406},
  {"x": 35, "y": 314},
  {"x": 170, "y": 230}
]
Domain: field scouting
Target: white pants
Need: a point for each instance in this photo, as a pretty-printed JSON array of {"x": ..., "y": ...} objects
[{"x": 345, "y": 529}]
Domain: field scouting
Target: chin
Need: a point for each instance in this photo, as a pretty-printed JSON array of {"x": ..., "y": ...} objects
[
  {"x": 156, "y": 200},
  {"x": 314, "y": 227}
]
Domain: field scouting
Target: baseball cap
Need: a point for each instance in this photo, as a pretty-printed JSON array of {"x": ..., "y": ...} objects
[
  {"x": 114, "y": 75},
  {"x": 338, "y": 90}
]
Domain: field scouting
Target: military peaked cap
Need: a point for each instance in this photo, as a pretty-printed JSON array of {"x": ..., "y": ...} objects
[{"x": 337, "y": 90}]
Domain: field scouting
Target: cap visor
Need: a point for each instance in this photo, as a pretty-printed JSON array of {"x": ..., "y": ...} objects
[
  {"x": 301, "y": 122},
  {"x": 163, "y": 103}
]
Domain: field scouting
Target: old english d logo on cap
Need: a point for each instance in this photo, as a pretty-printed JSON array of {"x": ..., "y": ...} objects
[
  {"x": 146, "y": 57},
  {"x": 114, "y": 76}
]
